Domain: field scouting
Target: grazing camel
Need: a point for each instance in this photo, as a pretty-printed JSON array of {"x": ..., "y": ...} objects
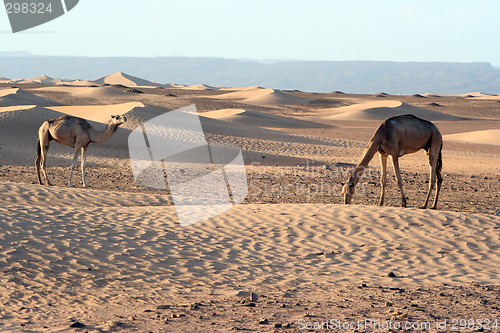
[
  {"x": 398, "y": 136},
  {"x": 74, "y": 132}
]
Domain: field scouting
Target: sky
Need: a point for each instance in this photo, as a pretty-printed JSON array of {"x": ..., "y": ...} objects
[{"x": 386, "y": 30}]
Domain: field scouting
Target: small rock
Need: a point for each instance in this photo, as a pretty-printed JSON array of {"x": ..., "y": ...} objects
[
  {"x": 363, "y": 285},
  {"x": 278, "y": 325},
  {"x": 77, "y": 324},
  {"x": 113, "y": 324},
  {"x": 195, "y": 306},
  {"x": 242, "y": 293},
  {"x": 254, "y": 297},
  {"x": 391, "y": 274},
  {"x": 131, "y": 318},
  {"x": 263, "y": 321},
  {"x": 162, "y": 307},
  {"x": 388, "y": 304}
]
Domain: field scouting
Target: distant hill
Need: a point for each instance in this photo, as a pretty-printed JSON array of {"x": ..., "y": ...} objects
[{"x": 319, "y": 76}]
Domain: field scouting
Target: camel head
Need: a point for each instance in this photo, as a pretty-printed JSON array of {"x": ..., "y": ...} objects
[
  {"x": 348, "y": 191},
  {"x": 117, "y": 120}
]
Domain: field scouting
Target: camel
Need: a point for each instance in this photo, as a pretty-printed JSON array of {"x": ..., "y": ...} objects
[
  {"x": 73, "y": 132},
  {"x": 398, "y": 136}
]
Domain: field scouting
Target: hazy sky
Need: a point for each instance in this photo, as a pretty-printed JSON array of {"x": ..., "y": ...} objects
[{"x": 423, "y": 30}]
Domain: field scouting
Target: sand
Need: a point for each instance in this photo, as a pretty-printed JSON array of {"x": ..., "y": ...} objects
[{"x": 115, "y": 258}]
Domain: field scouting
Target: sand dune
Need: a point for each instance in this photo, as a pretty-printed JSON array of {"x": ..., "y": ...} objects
[
  {"x": 473, "y": 94},
  {"x": 259, "y": 119},
  {"x": 87, "y": 92},
  {"x": 486, "y": 137},
  {"x": 173, "y": 85},
  {"x": 17, "y": 96},
  {"x": 42, "y": 79},
  {"x": 200, "y": 87},
  {"x": 380, "y": 110},
  {"x": 243, "y": 88},
  {"x": 18, "y": 132},
  {"x": 77, "y": 83},
  {"x": 262, "y": 96},
  {"x": 126, "y": 80},
  {"x": 486, "y": 97}
]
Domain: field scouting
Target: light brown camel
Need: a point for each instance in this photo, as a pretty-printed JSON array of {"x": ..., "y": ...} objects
[
  {"x": 398, "y": 136},
  {"x": 74, "y": 132}
]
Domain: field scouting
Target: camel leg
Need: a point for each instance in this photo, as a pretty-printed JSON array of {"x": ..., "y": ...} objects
[
  {"x": 395, "y": 162},
  {"x": 73, "y": 166},
  {"x": 438, "y": 188},
  {"x": 84, "y": 158},
  {"x": 43, "y": 160},
  {"x": 37, "y": 163},
  {"x": 383, "y": 177},
  {"x": 432, "y": 181}
]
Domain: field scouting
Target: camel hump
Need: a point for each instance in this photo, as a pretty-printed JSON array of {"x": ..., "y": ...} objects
[
  {"x": 66, "y": 120},
  {"x": 405, "y": 117},
  {"x": 409, "y": 119}
]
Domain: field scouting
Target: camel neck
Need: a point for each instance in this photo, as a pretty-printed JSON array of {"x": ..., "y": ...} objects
[
  {"x": 365, "y": 160},
  {"x": 101, "y": 136}
]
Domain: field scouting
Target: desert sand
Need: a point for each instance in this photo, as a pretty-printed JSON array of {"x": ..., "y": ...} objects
[{"x": 114, "y": 257}]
